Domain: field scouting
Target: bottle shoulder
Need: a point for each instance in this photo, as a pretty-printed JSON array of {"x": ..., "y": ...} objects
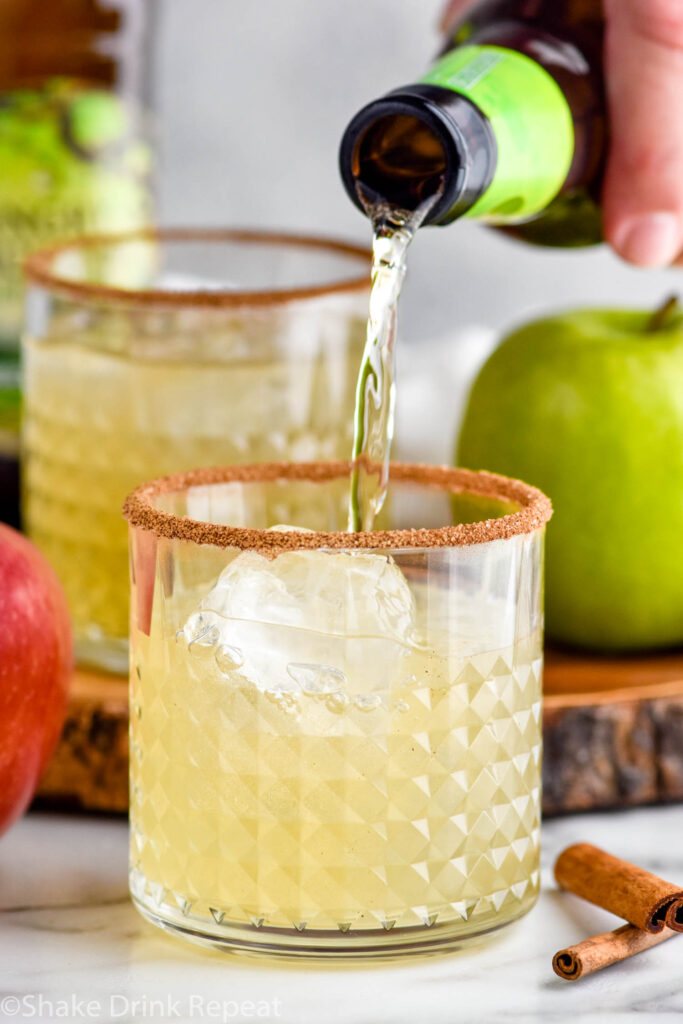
[
  {"x": 564, "y": 36},
  {"x": 579, "y": 22},
  {"x": 566, "y": 39}
]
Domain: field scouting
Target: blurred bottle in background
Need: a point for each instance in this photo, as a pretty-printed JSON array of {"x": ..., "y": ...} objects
[{"x": 75, "y": 152}]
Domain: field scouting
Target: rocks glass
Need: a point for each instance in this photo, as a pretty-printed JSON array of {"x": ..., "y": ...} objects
[
  {"x": 148, "y": 353},
  {"x": 335, "y": 737}
]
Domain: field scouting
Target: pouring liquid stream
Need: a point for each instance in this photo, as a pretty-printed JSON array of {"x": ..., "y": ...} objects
[{"x": 393, "y": 231}]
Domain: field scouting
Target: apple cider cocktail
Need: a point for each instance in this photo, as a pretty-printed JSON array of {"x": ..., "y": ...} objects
[
  {"x": 335, "y": 737},
  {"x": 147, "y": 354}
]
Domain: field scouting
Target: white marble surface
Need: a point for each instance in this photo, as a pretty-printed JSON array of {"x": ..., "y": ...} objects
[{"x": 68, "y": 934}]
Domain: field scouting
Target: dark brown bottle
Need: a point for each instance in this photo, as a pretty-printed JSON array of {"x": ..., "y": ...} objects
[
  {"x": 509, "y": 124},
  {"x": 75, "y": 156},
  {"x": 88, "y": 40}
]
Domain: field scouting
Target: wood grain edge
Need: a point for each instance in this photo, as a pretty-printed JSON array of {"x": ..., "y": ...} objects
[
  {"x": 612, "y": 730},
  {"x": 89, "y": 769},
  {"x": 612, "y": 751}
]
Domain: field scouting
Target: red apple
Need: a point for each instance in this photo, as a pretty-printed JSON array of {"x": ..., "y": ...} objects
[{"x": 35, "y": 665}]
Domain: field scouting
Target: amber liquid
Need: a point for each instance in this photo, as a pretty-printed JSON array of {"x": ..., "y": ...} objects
[{"x": 393, "y": 231}]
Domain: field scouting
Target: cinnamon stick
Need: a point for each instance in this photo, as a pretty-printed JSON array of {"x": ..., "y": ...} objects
[
  {"x": 603, "y": 950},
  {"x": 646, "y": 901},
  {"x": 674, "y": 916}
]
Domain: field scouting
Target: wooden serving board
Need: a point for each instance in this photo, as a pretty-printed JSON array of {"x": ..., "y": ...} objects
[
  {"x": 613, "y": 736},
  {"x": 612, "y": 731},
  {"x": 89, "y": 769}
]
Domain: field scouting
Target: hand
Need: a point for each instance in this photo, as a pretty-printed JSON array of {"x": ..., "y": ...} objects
[{"x": 643, "y": 193}]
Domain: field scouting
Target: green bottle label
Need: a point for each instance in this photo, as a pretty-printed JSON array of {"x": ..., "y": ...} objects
[
  {"x": 531, "y": 120},
  {"x": 73, "y": 161}
]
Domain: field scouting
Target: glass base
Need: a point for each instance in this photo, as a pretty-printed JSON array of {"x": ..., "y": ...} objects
[
  {"x": 102, "y": 652},
  {"x": 326, "y": 946}
]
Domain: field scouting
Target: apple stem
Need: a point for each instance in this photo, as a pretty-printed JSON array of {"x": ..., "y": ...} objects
[{"x": 665, "y": 315}]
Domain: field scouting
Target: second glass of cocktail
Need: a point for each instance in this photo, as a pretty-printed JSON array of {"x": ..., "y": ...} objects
[
  {"x": 335, "y": 737},
  {"x": 147, "y": 353}
]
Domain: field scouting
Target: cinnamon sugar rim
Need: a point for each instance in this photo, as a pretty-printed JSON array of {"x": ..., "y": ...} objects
[
  {"x": 38, "y": 269},
  {"x": 534, "y": 511}
]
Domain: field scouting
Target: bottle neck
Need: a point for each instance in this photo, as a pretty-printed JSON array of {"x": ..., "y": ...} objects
[
  {"x": 488, "y": 124},
  {"x": 406, "y": 146}
]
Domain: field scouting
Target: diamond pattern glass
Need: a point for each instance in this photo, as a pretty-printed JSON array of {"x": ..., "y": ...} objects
[{"x": 333, "y": 752}]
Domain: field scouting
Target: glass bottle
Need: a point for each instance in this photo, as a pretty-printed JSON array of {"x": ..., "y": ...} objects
[
  {"x": 74, "y": 151},
  {"x": 509, "y": 123}
]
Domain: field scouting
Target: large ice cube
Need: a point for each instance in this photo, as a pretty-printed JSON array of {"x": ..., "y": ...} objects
[{"x": 315, "y": 621}]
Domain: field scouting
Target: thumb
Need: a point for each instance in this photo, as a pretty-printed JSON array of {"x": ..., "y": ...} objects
[{"x": 643, "y": 200}]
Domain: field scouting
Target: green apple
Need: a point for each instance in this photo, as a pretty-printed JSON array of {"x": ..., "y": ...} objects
[{"x": 588, "y": 406}]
